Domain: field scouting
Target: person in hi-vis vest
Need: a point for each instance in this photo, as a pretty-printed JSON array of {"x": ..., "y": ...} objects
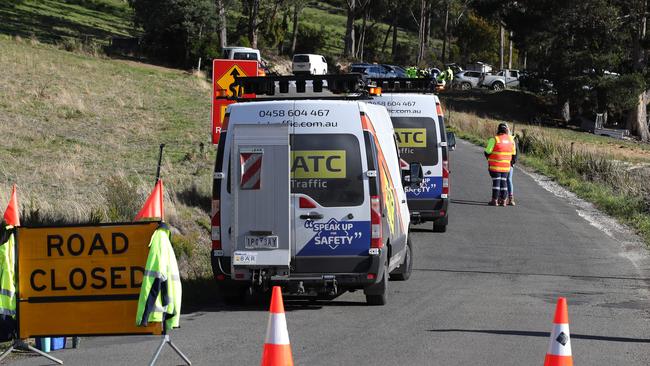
[
  {"x": 160, "y": 294},
  {"x": 500, "y": 153},
  {"x": 7, "y": 283}
]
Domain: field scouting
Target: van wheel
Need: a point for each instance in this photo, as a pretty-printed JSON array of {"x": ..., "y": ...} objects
[
  {"x": 378, "y": 295},
  {"x": 403, "y": 273},
  {"x": 439, "y": 226}
]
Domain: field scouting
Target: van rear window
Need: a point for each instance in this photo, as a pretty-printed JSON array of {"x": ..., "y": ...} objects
[
  {"x": 300, "y": 58},
  {"x": 327, "y": 168},
  {"x": 245, "y": 56},
  {"x": 417, "y": 139}
]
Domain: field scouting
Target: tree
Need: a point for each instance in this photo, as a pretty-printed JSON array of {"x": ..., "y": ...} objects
[
  {"x": 175, "y": 30},
  {"x": 222, "y": 6},
  {"x": 298, "y": 5}
]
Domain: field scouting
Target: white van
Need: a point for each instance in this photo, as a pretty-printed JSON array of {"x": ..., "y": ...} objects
[
  {"x": 309, "y": 64},
  {"x": 420, "y": 131},
  {"x": 241, "y": 53},
  {"x": 308, "y": 195}
]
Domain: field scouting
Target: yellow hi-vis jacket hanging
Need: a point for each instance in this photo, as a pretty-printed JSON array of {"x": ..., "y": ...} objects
[
  {"x": 7, "y": 274},
  {"x": 500, "y": 150},
  {"x": 160, "y": 294}
]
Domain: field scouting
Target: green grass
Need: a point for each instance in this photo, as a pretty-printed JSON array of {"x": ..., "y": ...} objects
[
  {"x": 615, "y": 182},
  {"x": 53, "y": 21},
  {"x": 81, "y": 135}
]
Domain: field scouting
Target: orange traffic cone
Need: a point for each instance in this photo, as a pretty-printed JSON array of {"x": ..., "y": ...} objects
[
  {"x": 277, "y": 349},
  {"x": 153, "y": 207},
  {"x": 559, "y": 348},
  {"x": 11, "y": 216}
]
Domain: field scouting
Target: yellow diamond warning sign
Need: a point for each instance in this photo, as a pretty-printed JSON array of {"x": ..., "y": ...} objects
[{"x": 228, "y": 78}]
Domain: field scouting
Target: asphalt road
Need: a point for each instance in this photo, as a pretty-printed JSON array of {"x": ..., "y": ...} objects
[{"x": 481, "y": 294}]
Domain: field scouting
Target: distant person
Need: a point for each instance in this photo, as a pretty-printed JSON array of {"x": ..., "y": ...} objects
[
  {"x": 510, "y": 201},
  {"x": 499, "y": 152}
]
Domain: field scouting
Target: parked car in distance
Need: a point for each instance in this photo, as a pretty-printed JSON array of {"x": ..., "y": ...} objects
[
  {"x": 378, "y": 70},
  {"x": 534, "y": 82},
  {"x": 466, "y": 80},
  {"x": 397, "y": 70},
  {"x": 501, "y": 80},
  {"x": 307, "y": 63}
]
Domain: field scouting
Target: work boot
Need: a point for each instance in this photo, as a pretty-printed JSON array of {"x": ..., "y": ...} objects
[
  {"x": 511, "y": 201},
  {"x": 493, "y": 202},
  {"x": 501, "y": 202}
]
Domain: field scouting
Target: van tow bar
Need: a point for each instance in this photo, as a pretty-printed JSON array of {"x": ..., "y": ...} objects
[{"x": 330, "y": 285}]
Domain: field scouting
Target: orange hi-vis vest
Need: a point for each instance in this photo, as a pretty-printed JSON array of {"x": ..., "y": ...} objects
[{"x": 504, "y": 149}]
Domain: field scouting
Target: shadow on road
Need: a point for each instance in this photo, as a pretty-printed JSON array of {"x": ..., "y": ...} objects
[
  {"x": 526, "y": 333},
  {"x": 503, "y": 273},
  {"x": 468, "y": 202}
]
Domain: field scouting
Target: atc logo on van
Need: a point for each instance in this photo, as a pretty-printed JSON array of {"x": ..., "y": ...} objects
[{"x": 333, "y": 233}]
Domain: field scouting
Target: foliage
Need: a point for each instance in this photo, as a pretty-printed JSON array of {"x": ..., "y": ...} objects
[
  {"x": 478, "y": 40},
  {"x": 175, "y": 30}
]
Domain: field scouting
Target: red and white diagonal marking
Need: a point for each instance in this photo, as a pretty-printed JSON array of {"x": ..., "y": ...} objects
[{"x": 251, "y": 169}]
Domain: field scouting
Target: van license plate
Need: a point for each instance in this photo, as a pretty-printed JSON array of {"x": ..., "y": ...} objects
[{"x": 261, "y": 242}]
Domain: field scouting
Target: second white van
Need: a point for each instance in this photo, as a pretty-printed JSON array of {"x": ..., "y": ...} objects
[{"x": 309, "y": 64}]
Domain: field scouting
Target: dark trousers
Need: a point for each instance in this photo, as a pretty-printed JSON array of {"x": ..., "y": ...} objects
[{"x": 499, "y": 185}]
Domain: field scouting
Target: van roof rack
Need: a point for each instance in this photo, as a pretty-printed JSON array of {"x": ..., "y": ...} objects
[
  {"x": 345, "y": 86},
  {"x": 403, "y": 85}
]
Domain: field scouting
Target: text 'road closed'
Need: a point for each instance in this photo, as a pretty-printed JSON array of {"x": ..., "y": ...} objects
[{"x": 73, "y": 261}]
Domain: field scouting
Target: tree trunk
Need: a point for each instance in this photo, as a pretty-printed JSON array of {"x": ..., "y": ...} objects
[
  {"x": 362, "y": 36},
  {"x": 445, "y": 32},
  {"x": 501, "y": 44},
  {"x": 428, "y": 29},
  {"x": 421, "y": 31},
  {"x": 383, "y": 46},
  {"x": 294, "y": 38},
  {"x": 525, "y": 60},
  {"x": 394, "y": 47},
  {"x": 637, "y": 119},
  {"x": 565, "y": 110},
  {"x": 223, "y": 30},
  {"x": 253, "y": 23},
  {"x": 349, "y": 29},
  {"x": 510, "y": 51}
]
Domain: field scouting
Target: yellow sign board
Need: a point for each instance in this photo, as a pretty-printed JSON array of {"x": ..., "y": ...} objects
[
  {"x": 229, "y": 77},
  {"x": 411, "y": 137},
  {"x": 82, "y": 280},
  {"x": 328, "y": 164}
]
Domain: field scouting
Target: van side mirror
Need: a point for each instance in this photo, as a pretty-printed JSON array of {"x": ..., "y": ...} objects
[
  {"x": 451, "y": 141},
  {"x": 415, "y": 175}
]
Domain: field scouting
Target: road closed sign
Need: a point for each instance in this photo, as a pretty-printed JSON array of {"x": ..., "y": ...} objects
[{"x": 82, "y": 280}]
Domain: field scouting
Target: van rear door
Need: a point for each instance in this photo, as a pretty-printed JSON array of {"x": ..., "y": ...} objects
[{"x": 260, "y": 186}]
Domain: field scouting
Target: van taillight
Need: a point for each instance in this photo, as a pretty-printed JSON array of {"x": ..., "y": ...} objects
[
  {"x": 439, "y": 109},
  {"x": 305, "y": 202},
  {"x": 216, "y": 225},
  {"x": 445, "y": 178},
  {"x": 375, "y": 222}
]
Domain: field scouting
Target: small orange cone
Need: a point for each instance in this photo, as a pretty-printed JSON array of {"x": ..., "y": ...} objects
[
  {"x": 153, "y": 207},
  {"x": 559, "y": 348},
  {"x": 11, "y": 216},
  {"x": 277, "y": 349}
]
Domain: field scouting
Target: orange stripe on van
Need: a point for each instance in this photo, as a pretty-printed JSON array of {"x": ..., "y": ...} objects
[{"x": 367, "y": 125}]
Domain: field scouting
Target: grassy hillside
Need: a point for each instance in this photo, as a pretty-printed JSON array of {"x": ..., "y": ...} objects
[
  {"x": 80, "y": 137},
  {"x": 57, "y": 20}
]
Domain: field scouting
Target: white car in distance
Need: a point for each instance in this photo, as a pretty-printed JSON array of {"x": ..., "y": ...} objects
[{"x": 306, "y": 63}]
